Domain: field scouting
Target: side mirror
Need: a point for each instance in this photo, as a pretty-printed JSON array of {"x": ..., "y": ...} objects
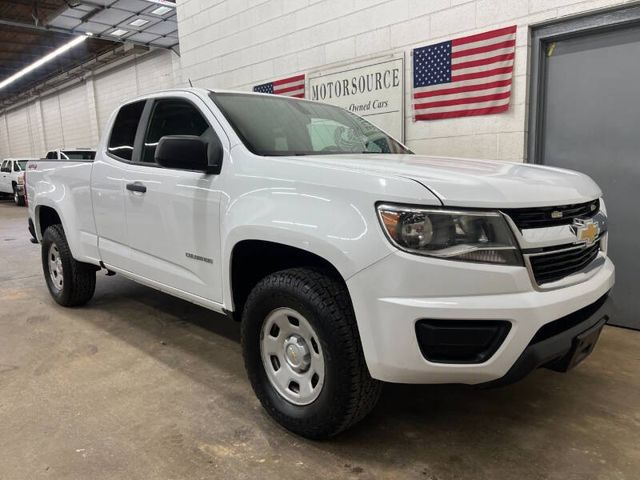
[{"x": 188, "y": 152}]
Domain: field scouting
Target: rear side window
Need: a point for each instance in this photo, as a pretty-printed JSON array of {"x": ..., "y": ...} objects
[{"x": 124, "y": 130}]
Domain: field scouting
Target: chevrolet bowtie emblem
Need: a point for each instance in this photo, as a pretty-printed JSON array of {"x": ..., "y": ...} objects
[
  {"x": 587, "y": 231},
  {"x": 556, "y": 214}
]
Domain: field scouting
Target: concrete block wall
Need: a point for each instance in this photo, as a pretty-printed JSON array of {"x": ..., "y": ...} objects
[
  {"x": 240, "y": 43},
  {"x": 77, "y": 115}
]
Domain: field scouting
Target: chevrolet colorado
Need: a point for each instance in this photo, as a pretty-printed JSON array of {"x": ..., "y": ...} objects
[{"x": 348, "y": 259}]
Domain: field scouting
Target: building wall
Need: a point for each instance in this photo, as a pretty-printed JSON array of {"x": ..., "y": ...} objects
[
  {"x": 77, "y": 115},
  {"x": 240, "y": 43}
]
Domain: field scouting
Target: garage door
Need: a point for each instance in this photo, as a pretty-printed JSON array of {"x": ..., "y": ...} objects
[{"x": 591, "y": 122}]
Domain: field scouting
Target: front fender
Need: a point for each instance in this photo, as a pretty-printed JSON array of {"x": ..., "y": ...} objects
[{"x": 335, "y": 224}]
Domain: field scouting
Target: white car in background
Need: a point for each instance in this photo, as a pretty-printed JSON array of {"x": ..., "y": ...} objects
[
  {"x": 12, "y": 178},
  {"x": 74, "y": 153}
]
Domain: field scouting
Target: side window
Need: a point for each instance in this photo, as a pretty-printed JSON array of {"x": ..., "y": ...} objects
[
  {"x": 124, "y": 130},
  {"x": 5, "y": 167},
  {"x": 51, "y": 155},
  {"x": 173, "y": 117}
]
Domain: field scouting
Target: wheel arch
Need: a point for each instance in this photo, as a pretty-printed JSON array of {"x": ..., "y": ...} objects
[
  {"x": 46, "y": 216},
  {"x": 253, "y": 259},
  {"x": 48, "y": 212}
]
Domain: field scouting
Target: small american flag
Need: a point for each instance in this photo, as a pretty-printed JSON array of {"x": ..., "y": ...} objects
[
  {"x": 463, "y": 77},
  {"x": 292, "y": 87}
]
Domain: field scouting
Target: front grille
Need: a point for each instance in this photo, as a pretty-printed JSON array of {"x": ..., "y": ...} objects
[
  {"x": 554, "y": 265},
  {"x": 552, "y": 216}
]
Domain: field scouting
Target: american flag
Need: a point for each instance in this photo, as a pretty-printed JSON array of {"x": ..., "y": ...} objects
[
  {"x": 292, "y": 87},
  {"x": 463, "y": 77}
]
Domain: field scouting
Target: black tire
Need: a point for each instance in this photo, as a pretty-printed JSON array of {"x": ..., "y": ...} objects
[
  {"x": 78, "y": 279},
  {"x": 17, "y": 198},
  {"x": 348, "y": 393}
]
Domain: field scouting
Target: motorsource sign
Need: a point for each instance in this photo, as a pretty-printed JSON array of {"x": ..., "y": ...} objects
[{"x": 373, "y": 89}]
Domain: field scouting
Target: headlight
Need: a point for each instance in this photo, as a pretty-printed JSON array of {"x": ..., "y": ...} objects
[{"x": 452, "y": 234}]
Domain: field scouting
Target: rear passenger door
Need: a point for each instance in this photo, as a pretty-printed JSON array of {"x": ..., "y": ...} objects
[
  {"x": 107, "y": 185},
  {"x": 173, "y": 215}
]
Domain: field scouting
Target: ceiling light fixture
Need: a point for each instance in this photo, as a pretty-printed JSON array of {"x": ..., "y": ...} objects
[
  {"x": 118, "y": 33},
  {"x": 165, "y": 7},
  {"x": 160, "y": 11},
  {"x": 138, "y": 22},
  {"x": 43, "y": 60},
  {"x": 167, "y": 3}
]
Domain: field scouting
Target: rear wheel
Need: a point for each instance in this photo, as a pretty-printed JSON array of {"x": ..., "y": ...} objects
[
  {"x": 17, "y": 198},
  {"x": 71, "y": 283},
  {"x": 303, "y": 354}
]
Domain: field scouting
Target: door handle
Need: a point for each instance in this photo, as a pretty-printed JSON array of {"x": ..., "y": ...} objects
[{"x": 136, "y": 187}]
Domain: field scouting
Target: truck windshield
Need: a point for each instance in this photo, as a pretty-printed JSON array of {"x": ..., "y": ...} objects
[
  {"x": 22, "y": 165},
  {"x": 271, "y": 125},
  {"x": 78, "y": 154}
]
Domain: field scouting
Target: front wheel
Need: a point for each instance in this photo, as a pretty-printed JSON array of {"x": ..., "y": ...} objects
[
  {"x": 71, "y": 283},
  {"x": 303, "y": 354},
  {"x": 17, "y": 198}
]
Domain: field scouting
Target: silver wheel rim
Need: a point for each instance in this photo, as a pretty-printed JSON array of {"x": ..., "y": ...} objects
[
  {"x": 55, "y": 267},
  {"x": 292, "y": 356}
]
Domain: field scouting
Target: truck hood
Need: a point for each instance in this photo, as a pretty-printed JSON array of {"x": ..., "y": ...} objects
[{"x": 474, "y": 183}]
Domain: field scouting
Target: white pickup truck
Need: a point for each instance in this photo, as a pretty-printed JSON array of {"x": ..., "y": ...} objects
[
  {"x": 12, "y": 179},
  {"x": 75, "y": 153},
  {"x": 348, "y": 259}
]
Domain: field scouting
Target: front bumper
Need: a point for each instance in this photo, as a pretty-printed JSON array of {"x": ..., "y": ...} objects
[
  {"x": 561, "y": 344},
  {"x": 391, "y": 296}
]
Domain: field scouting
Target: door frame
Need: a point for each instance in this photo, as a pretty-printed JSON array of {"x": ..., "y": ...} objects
[{"x": 543, "y": 35}]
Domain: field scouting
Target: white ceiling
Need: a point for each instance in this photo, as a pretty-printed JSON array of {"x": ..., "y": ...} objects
[{"x": 104, "y": 17}]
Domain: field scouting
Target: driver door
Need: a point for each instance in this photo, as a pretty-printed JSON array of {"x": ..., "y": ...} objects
[{"x": 173, "y": 215}]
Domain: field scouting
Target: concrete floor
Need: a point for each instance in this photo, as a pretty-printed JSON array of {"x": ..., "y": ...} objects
[{"x": 141, "y": 385}]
